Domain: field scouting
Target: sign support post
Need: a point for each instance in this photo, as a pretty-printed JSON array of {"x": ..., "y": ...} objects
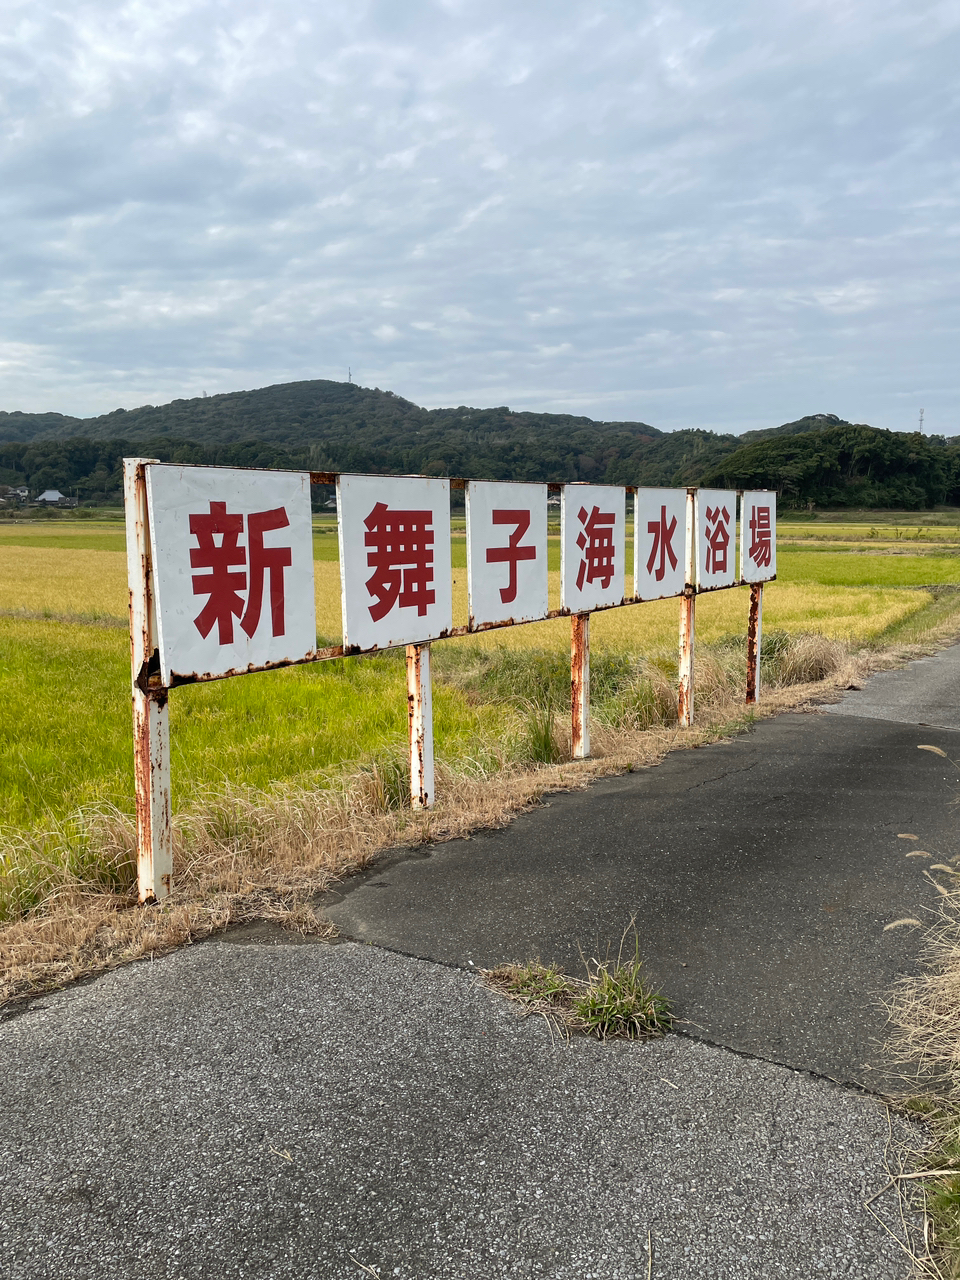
[
  {"x": 580, "y": 685},
  {"x": 688, "y": 614},
  {"x": 754, "y": 638},
  {"x": 151, "y": 721},
  {"x": 420, "y": 719}
]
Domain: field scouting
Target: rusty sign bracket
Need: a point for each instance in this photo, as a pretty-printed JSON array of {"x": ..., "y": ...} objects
[{"x": 151, "y": 719}]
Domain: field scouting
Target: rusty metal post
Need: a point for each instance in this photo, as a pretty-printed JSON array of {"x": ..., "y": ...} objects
[
  {"x": 420, "y": 718},
  {"x": 688, "y": 614},
  {"x": 580, "y": 684},
  {"x": 151, "y": 722},
  {"x": 754, "y": 638}
]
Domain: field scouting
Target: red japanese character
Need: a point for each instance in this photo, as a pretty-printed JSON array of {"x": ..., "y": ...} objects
[
  {"x": 596, "y": 543},
  {"x": 760, "y": 549},
  {"x": 401, "y": 560},
  {"x": 272, "y": 560},
  {"x": 662, "y": 544},
  {"x": 718, "y": 539},
  {"x": 220, "y": 584},
  {"x": 512, "y": 553}
]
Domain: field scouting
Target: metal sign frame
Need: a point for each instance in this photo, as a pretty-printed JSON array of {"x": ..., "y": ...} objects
[{"x": 151, "y": 683}]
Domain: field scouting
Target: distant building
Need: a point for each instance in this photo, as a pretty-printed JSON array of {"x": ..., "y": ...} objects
[{"x": 53, "y": 496}]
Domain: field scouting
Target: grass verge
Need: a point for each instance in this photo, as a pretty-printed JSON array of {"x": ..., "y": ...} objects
[
  {"x": 245, "y": 852},
  {"x": 925, "y": 1020}
]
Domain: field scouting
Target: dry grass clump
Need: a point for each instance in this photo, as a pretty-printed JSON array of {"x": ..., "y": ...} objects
[
  {"x": 614, "y": 999},
  {"x": 808, "y": 658}
]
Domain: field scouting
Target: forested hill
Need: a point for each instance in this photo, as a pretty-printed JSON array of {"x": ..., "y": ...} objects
[
  {"x": 321, "y": 415},
  {"x": 338, "y": 426},
  {"x": 846, "y": 465}
]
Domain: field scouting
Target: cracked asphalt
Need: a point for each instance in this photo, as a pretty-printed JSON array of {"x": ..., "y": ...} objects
[{"x": 260, "y": 1107}]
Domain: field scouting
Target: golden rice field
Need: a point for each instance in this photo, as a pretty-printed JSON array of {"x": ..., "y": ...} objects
[
  {"x": 65, "y": 732},
  {"x": 62, "y": 583}
]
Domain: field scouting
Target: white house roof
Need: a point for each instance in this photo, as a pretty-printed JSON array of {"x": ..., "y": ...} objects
[{"x": 51, "y": 495}]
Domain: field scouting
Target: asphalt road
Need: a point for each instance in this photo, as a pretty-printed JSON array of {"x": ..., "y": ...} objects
[
  {"x": 255, "y": 1108},
  {"x": 303, "y": 1112},
  {"x": 760, "y": 874}
]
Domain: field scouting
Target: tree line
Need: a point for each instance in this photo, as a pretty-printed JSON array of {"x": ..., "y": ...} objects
[{"x": 815, "y": 461}]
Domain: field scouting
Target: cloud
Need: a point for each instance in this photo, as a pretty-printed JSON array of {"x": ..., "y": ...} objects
[{"x": 691, "y": 214}]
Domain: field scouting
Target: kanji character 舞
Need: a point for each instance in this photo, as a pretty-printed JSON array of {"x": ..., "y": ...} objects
[
  {"x": 224, "y": 583},
  {"x": 760, "y": 549},
  {"x": 512, "y": 553},
  {"x": 596, "y": 543},
  {"x": 401, "y": 557},
  {"x": 663, "y": 532},
  {"x": 718, "y": 539}
]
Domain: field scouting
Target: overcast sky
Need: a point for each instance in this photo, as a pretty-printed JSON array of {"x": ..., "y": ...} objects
[{"x": 717, "y": 213}]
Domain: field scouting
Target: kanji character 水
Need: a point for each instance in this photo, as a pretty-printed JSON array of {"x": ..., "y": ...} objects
[{"x": 662, "y": 544}]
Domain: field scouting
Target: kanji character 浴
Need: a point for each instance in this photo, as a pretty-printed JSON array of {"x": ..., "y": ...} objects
[{"x": 718, "y": 539}]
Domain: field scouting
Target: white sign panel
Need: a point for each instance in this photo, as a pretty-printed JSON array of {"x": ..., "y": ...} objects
[
  {"x": 716, "y": 535},
  {"x": 593, "y": 546},
  {"x": 659, "y": 543},
  {"x": 232, "y": 568},
  {"x": 506, "y": 552},
  {"x": 395, "y": 573},
  {"x": 758, "y": 535}
]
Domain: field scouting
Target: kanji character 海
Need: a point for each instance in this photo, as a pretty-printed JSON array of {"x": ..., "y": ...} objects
[{"x": 596, "y": 543}]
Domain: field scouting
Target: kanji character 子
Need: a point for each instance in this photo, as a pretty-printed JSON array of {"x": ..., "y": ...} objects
[{"x": 512, "y": 553}]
